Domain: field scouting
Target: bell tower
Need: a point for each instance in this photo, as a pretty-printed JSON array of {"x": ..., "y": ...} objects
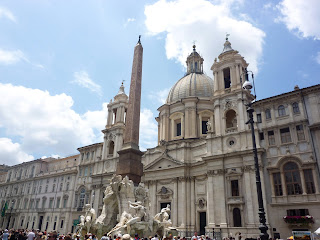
[
  {"x": 113, "y": 133},
  {"x": 228, "y": 70}
]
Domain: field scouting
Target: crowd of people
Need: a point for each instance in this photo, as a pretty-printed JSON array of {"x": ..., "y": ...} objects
[{"x": 25, "y": 234}]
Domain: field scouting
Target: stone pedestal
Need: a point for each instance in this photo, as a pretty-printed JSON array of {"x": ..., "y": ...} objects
[{"x": 130, "y": 164}]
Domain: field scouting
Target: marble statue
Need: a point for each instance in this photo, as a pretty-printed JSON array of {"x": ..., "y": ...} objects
[
  {"x": 209, "y": 127},
  {"x": 88, "y": 220},
  {"x": 162, "y": 221}
]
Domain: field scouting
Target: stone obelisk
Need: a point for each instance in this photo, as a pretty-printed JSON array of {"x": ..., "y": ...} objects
[{"x": 130, "y": 156}]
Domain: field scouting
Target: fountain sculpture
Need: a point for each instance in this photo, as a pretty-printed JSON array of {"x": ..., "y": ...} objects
[{"x": 125, "y": 211}]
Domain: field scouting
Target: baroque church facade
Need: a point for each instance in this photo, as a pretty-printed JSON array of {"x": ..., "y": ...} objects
[{"x": 203, "y": 165}]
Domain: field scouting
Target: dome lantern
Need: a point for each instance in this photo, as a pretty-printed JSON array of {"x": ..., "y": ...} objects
[{"x": 194, "y": 62}]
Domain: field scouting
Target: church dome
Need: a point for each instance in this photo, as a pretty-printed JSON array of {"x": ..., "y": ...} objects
[
  {"x": 195, "y": 83},
  {"x": 191, "y": 85}
]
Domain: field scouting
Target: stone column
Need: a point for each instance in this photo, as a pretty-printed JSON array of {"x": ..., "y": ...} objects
[
  {"x": 216, "y": 83},
  {"x": 217, "y": 120},
  {"x": 210, "y": 202},
  {"x": 237, "y": 75},
  {"x": 109, "y": 119},
  {"x": 283, "y": 184},
  {"x": 188, "y": 198},
  {"x": 183, "y": 204},
  {"x": 273, "y": 194},
  {"x": 175, "y": 203},
  {"x": 233, "y": 77},
  {"x": 194, "y": 124},
  {"x": 241, "y": 116},
  {"x": 248, "y": 196},
  {"x": 187, "y": 126},
  {"x": 193, "y": 204},
  {"x": 222, "y": 198},
  {"x": 303, "y": 182},
  {"x": 315, "y": 179}
]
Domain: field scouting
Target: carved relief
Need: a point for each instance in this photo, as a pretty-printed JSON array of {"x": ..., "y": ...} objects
[{"x": 201, "y": 203}]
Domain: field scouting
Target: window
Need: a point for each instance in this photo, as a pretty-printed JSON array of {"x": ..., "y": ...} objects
[
  {"x": 295, "y": 107},
  {"x": 259, "y": 120},
  {"x": 65, "y": 201},
  {"x": 226, "y": 77},
  {"x": 277, "y": 184},
  {"x": 53, "y": 187},
  {"x": 92, "y": 154},
  {"x": 82, "y": 156},
  {"x": 88, "y": 155},
  {"x": 44, "y": 200},
  {"x": 178, "y": 132},
  {"x": 297, "y": 212},
  {"x": 285, "y": 135},
  {"x": 80, "y": 172},
  {"x": 61, "y": 187},
  {"x": 309, "y": 181},
  {"x": 271, "y": 138},
  {"x": 46, "y": 190},
  {"x": 58, "y": 203},
  {"x": 61, "y": 224},
  {"x": 82, "y": 197},
  {"x": 40, "y": 189},
  {"x": 86, "y": 171},
  {"x": 67, "y": 187},
  {"x": 234, "y": 187},
  {"x": 292, "y": 178},
  {"x": 236, "y": 217},
  {"x": 50, "y": 202},
  {"x": 261, "y": 136},
  {"x": 37, "y": 203},
  {"x": 300, "y": 132},
  {"x": 231, "y": 119},
  {"x": 204, "y": 127},
  {"x": 111, "y": 148},
  {"x": 90, "y": 171},
  {"x": 281, "y": 111}
]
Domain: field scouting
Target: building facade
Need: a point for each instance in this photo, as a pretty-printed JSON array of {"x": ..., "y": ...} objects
[{"x": 203, "y": 164}]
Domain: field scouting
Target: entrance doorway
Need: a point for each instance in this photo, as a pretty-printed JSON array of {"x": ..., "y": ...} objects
[
  {"x": 203, "y": 222},
  {"x": 40, "y": 222}
]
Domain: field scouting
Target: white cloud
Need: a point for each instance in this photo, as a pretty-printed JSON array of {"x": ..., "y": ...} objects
[
  {"x": 267, "y": 5},
  {"x": 11, "y": 57},
  {"x": 302, "y": 17},
  {"x": 46, "y": 124},
  {"x": 318, "y": 58},
  {"x": 15, "y": 56},
  {"x": 11, "y": 153},
  {"x": 5, "y": 13},
  {"x": 131, "y": 20},
  {"x": 189, "y": 20},
  {"x": 148, "y": 129},
  {"x": 82, "y": 79},
  {"x": 160, "y": 96}
]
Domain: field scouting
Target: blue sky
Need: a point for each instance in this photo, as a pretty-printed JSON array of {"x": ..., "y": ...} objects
[{"x": 62, "y": 61}]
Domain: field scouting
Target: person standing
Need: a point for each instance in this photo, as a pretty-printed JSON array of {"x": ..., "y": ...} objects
[
  {"x": 5, "y": 235},
  {"x": 31, "y": 235}
]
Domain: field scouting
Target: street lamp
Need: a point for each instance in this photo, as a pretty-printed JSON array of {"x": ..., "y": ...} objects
[{"x": 247, "y": 85}]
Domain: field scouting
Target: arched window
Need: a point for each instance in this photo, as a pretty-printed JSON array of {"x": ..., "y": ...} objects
[
  {"x": 111, "y": 148},
  {"x": 226, "y": 77},
  {"x": 281, "y": 111},
  {"x": 268, "y": 114},
  {"x": 295, "y": 107},
  {"x": 292, "y": 178},
  {"x": 231, "y": 119},
  {"x": 236, "y": 217},
  {"x": 82, "y": 197}
]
